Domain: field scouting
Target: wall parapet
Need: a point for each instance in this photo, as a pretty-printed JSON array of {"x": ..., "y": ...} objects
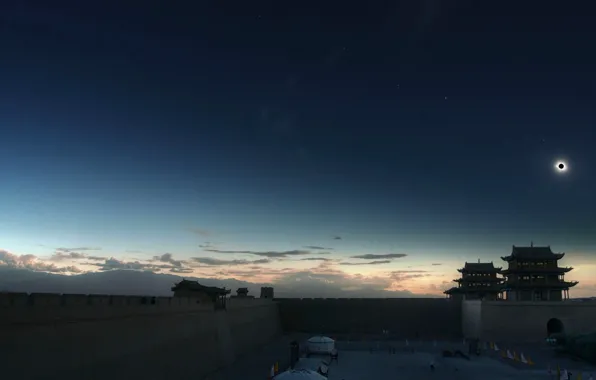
[
  {"x": 562, "y": 304},
  {"x": 42, "y": 308}
]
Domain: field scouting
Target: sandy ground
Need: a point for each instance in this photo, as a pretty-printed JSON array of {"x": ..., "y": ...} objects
[
  {"x": 543, "y": 356},
  {"x": 257, "y": 365},
  {"x": 411, "y": 360},
  {"x": 359, "y": 365}
]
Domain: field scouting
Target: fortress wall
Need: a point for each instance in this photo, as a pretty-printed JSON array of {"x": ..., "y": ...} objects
[
  {"x": 21, "y": 309},
  {"x": 76, "y": 336},
  {"x": 427, "y": 318},
  {"x": 526, "y": 321},
  {"x": 471, "y": 319}
]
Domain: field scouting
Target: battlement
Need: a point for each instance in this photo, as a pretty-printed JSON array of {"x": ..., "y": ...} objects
[
  {"x": 368, "y": 300},
  {"x": 40, "y": 308}
]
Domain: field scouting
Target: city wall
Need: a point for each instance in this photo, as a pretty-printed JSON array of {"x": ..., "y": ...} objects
[
  {"x": 118, "y": 337},
  {"x": 524, "y": 321},
  {"x": 407, "y": 318}
]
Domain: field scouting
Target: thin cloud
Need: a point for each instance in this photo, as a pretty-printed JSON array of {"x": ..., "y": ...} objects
[
  {"x": 316, "y": 247},
  {"x": 265, "y": 253},
  {"x": 31, "y": 262},
  {"x": 404, "y": 275},
  {"x": 60, "y": 256},
  {"x": 410, "y": 271},
  {"x": 444, "y": 285},
  {"x": 201, "y": 232},
  {"x": 337, "y": 238},
  {"x": 96, "y": 258},
  {"x": 217, "y": 262},
  {"x": 62, "y": 249},
  {"x": 316, "y": 259},
  {"x": 181, "y": 270},
  {"x": 376, "y": 262},
  {"x": 436, "y": 264},
  {"x": 115, "y": 264},
  {"x": 63, "y": 253},
  {"x": 168, "y": 258},
  {"x": 370, "y": 256}
]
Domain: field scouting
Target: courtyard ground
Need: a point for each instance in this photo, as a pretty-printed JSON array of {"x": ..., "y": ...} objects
[{"x": 370, "y": 360}]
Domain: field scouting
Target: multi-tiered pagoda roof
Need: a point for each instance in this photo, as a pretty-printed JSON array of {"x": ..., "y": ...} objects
[
  {"x": 533, "y": 274},
  {"x": 478, "y": 281}
]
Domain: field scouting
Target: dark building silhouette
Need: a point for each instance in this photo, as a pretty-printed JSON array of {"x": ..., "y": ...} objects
[
  {"x": 534, "y": 275},
  {"x": 187, "y": 288},
  {"x": 479, "y": 281},
  {"x": 267, "y": 292},
  {"x": 242, "y": 293}
]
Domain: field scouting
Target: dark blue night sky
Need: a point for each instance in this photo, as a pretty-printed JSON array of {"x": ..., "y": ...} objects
[{"x": 418, "y": 127}]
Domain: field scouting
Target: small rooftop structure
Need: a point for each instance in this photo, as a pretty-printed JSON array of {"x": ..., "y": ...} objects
[
  {"x": 267, "y": 292},
  {"x": 188, "y": 288},
  {"x": 242, "y": 293}
]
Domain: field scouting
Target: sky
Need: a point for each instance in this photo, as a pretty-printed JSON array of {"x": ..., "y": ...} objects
[{"x": 343, "y": 143}]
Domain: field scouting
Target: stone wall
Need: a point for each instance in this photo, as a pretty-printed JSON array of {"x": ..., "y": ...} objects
[
  {"x": 527, "y": 321},
  {"x": 408, "y": 318},
  {"x": 471, "y": 319},
  {"x": 99, "y": 337}
]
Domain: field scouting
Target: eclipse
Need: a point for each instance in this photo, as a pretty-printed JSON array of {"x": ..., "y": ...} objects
[{"x": 561, "y": 166}]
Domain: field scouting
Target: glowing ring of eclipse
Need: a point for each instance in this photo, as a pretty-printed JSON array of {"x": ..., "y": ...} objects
[{"x": 561, "y": 166}]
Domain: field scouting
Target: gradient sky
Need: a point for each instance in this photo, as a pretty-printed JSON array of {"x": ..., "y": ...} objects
[{"x": 422, "y": 129}]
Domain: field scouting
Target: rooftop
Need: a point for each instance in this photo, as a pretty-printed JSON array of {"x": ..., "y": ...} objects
[
  {"x": 480, "y": 267},
  {"x": 195, "y": 286},
  {"x": 532, "y": 253}
]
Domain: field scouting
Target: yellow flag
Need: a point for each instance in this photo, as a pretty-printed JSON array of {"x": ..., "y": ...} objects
[
  {"x": 276, "y": 367},
  {"x": 579, "y": 376}
]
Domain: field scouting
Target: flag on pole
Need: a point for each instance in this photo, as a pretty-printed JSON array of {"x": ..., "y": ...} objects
[
  {"x": 491, "y": 345},
  {"x": 272, "y": 373},
  {"x": 509, "y": 356},
  {"x": 564, "y": 375},
  {"x": 523, "y": 358},
  {"x": 276, "y": 367},
  {"x": 515, "y": 357},
  {"x": 496, "y": 347}
]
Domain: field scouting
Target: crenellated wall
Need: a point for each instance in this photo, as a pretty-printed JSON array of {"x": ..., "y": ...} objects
[
  {"x": 410, "y": 318},
  {"x": 98, "y": 337}
]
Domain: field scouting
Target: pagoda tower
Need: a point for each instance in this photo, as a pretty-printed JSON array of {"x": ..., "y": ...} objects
[
  {"x": 479, "y": 281},
  {"x": 534, "y": 275}
]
